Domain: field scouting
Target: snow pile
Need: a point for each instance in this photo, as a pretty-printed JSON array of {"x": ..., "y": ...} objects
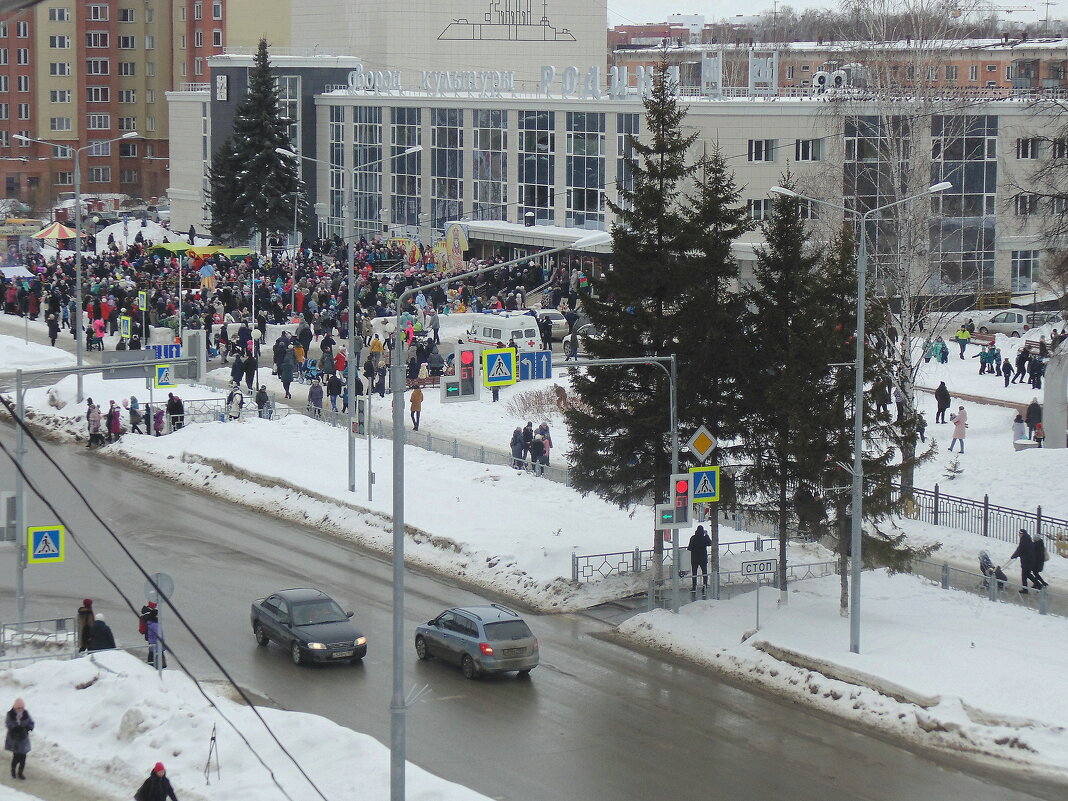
[
  {"x": 956, "y": 671},
  {"x": 104, "y": 722},
  {"x": 16, "y": 354}
]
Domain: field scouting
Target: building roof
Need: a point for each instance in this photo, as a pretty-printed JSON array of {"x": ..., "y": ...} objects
[
  {"x": 903, "y": 45},
  {"x": 542, "y": 236}
]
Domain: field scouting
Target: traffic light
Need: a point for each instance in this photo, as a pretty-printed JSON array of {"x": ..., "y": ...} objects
[
  {"x": 681, "y": 501},
  {"x": 360, "y": 421},
  {"x": 466, "y": 370},
  {"x": 464, "y": 384}
]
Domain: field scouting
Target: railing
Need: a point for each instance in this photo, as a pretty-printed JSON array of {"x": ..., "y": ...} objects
[
  {"x": 591, "y": 567},
  {"x": 980, "y": 517},
  {"x": 51, "y": 631},
  {"x": 194, "y": 87},
  {"x": 1007, "y": 591},
  {"x": 728, "y": 582}
]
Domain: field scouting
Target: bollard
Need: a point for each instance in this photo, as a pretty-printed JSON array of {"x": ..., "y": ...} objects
[
  {"x": 992, "y": 587},
  {"x": 945, "y": 575},
  {"x": 1043, "y": 602},
  {"x": 758, "y": 544},
  {"x": 652, "y": 586},
  {"x": 574, "y": 567},
  {"x": 715, "y": 585},
  {"x": 936, "y": 494},
  {"x": 986, "y": 515},
  {"x": 636, "y": 561}
]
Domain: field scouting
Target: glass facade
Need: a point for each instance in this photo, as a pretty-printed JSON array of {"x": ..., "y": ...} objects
[
  {"x": 367, "y": 167},
  {"x": 490, "y": 164},
  {"x": 407, "y": 170},
  {"x": 335, "y": 221},
  {"x": 537, "y": 165},
  {"x": 1024, "y": 270},
  {"x": 289, "y": 106},
  {"x": 626, "y": 132},
  {"x": 964, "y": 152},
  {"x": 446, "y": 165},
  {"x": 585, "y": 169}
]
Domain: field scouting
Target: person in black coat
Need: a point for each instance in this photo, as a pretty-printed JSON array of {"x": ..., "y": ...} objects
[
  {"x": 1033, "y": 417},
  {"x": 528, "y": 437},
  {"x": 157, "y": 787},
  {"x": 1040, "y": 560},
  {"x": 19, "y": 725},
  {"x": 944, "y": 400},
  {"x": 698, "y": 547},
  {"x": 1025, "y": 552},
  {"x": 102, "y": 637},
  {"x": 53, "y": 329}
]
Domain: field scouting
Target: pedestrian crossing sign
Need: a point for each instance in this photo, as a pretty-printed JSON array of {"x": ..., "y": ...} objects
[
  {"x": 46, "y": 544},
  {"x": 705, "y": 484},
  {"x": 164, "y": 377},
  {"x": 498, "y": 367}
]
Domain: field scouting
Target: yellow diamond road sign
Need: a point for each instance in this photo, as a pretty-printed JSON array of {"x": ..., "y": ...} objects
[{"x": 701, "y": 443}]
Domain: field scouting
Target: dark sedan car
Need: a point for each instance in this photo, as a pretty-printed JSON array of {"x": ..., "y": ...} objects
[{"x": 310, "y": 624}]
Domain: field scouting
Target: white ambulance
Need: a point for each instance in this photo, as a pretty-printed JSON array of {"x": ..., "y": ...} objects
[{"x": 489, "y": 329}]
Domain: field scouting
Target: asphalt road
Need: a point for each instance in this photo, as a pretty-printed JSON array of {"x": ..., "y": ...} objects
[{"x": 594, "y": 721}]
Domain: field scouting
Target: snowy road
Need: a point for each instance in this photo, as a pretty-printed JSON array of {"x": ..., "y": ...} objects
[{"x": 596, "y": 720}]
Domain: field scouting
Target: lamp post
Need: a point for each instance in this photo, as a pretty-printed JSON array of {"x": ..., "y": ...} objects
[
  {"x": 350, "y": 224},
  {"x": 858, "y": 391},
  {"x": 76, "y": 154},
  {"x": 396, "y": 379}
]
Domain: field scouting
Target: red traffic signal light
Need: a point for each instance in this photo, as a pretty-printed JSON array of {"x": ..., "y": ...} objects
[
  {"x": 467, "y": 357},
  {"x": 682, "y": 486}
]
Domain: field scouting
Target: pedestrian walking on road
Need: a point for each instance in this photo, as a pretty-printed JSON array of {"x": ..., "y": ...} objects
[
  {"x": 157, "y": 787},
  {"x": 698, "y": 547},
  {"x": 19, "y": 725}
]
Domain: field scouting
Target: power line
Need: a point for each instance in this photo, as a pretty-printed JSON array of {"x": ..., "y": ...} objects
[{"x": 114, "y": 584}]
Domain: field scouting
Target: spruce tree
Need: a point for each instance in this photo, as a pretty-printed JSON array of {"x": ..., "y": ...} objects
[
  {"x": 665, "y": 294},
  {"x": 222, "y": 178},
  {"x": 265, "y": 179}
]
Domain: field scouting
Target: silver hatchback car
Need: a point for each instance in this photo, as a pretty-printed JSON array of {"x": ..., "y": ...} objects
[{"x": 480, "y": 639}]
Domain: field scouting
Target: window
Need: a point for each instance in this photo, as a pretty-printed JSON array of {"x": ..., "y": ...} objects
[
  {"x": 181, "y": 13},
  {"x": 932, "y": 73},
  {"x": 198, "y": 38},
  {"x": 490, "y": 164},
  {"x": 216, "y": 38},
  {"x": 22, "y": 30},
  {"x": 97, "y": 94},
  {"x": 22, "y": 56},
  {"x": 790, "y": 73},
  {"x": 537, "y": 164},
  {"x": 5, "y": 111},
  {"x": 3, "y": 56},
  {"x": 127, "y": 123},
  {"x": 150, "y": 42},
  {"x": 59, "y": 124},
  {"x": 407, "y": 170},
  {"x": 62, "y": 152},
  {"x": 129, "y": 176},
  {"x": 127, "y": 42},
  {"x": 150, "y": 124},
  {"x": 98, "y": 147},
  {"x": 128, "y": 149},
  {"x": 97, "y": 66},
  {"x": 58, "y": 15},
  {"x": 24, "y": 111},
  {"x": 128, "y": 68},
  {"x": 24, "y": 142},
  {"x": 150, "y": 95},
  {"x": 59, "y": 96},
  {"x": 3, "y": 84},
  {"x": 807, "y": 210},
  {"x": 64, "y": 178},
  {"x": 100, "y": 175},
  {"x": 5, "y": 139},
  {"x": 59, "y": 68},
  {"x": 446, "y": 165},
  {"x": 150, "y": 15},
  {"x": 150, "y": 66},
  {"x": 951, "y": 73},
  {"x": 198, "y": 10},
  {"x": 585, "y": 169},
  {"x": 973, "y": 72},
  {"x": 1025, "y": 204},
  {"x": 3, "y": 30},
  {"x": 97, "y": 39},
  {"x": 198, "y": 66},
  {"x": 991, "y": 84},
  {"x": 760, "y": 208},
  {"x": 98, "y": 122},
  {"x": 181, "y": 42},
  {"x": 991, "y": 67},
  {"x": 59, "y": 42},
  {"x": 23, "y": 83},
  {"x": 761, "y": 150},
  {"x": 1027, "y": 148},
  {"x": 216, "y": 9},
  {"x": 1059, "y": 149},
  {"x": 127, "y": 96},
  {"x": 1024, "y": 268},
  {"x": 98, "y": 12},
  {"x": 1059, "y": 205},
  {"x": 127, "y": 15},
  {"x": 807, "y": 150}
]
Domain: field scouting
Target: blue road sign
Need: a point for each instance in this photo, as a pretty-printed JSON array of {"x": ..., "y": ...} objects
[
  {"x": 535, "y": 365},
  {"x": 46, "y": 544},
  {"x": 167, "y": 351},
  {"x": 164, "y": 378},
  {"x": 705, "y": 484},
  {"x": 498, "y": 367}
]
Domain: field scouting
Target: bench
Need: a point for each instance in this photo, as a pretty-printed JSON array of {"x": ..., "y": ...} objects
[{"x": 423, "y": 383}]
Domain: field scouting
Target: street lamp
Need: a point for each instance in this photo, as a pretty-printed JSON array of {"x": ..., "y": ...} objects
[
  {"x": 350, "y": 226},
  {"x": 396, "y": 379},
  {"x": 76, "y": 154},
  {"x": 858, "y": 390}
]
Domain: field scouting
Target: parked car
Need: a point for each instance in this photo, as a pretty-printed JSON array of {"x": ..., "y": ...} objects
[
  {"x": 310, "y": 624},
  {"x": 558, "y": 320},
  {"x": 480, "y": 639},
  {"x": 1015, "y": 322}
]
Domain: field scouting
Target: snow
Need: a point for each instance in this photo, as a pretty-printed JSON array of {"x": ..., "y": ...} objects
[
  {"x": 152, "y": 232},
  {"x": 15, "y": 354},
  {"x": 104, "y": 721}
]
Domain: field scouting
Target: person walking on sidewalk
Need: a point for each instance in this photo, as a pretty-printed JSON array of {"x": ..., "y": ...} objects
[
  {"x": 19, "y": 725},
  {"x": 157, "y": 787},
  {"x": 943, "y": 398},
  {"x": 963, "y": 337},
  {"x": 417, "y": 407},
  {"x": 1033, "y": 416},
  {"x": 960, "y": 426},
  {"x": 1025, "y": 552},
  {"x": 698, "y": 547}
]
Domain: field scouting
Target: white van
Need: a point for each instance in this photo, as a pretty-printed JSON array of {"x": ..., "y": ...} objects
[{"x": 489, "y": 329}]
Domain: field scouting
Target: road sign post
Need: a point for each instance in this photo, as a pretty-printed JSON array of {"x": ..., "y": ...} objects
[
  {"x": 704, "y": 483},
  {"x": 47, "y": 544},
  {"x": 163, "y": 377},
  {"x": 535, "y": 365},
  {"x": 758, "y": 568},
  {"x": 499, "y": 367}
]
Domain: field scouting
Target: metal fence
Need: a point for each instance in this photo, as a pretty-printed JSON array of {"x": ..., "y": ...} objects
[
  {"x": 593, "y": 567},
  {"x": 980, "y": 517},
  {"x": 731, "y": 582},
  {"x": 1008, "y": 591},
  {"x": 56, "y": 631}
]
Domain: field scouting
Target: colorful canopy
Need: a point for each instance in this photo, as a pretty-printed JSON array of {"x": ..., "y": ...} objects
[
  {"x": 55, "y": 231},
  {"x": 169, "y": 248}
]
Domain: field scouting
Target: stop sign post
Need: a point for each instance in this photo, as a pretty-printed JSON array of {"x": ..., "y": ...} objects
[{"x": 758, "y": 568}]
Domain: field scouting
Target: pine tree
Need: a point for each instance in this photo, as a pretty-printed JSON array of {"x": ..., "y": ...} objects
[
  {"x": 953, "y": 469},
  {"x": 265, "y": 179},
  {"x": 665, "y": 294},
  {"x": 225, "y": 223}
]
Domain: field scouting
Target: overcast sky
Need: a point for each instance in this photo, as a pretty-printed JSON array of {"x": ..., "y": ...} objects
[{"x": 629, "y": 12}]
